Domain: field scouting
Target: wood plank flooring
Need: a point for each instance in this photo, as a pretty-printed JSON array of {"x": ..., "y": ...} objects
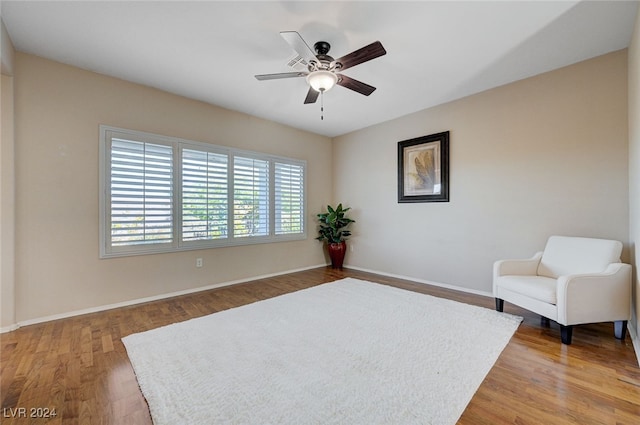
[{"x": 78, "y": 368}]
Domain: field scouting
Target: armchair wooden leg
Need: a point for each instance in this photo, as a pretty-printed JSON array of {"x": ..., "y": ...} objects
[
  {"x": 566, "y": 332},
  {"x": 620, "y": 329},
  {"x": 499, "y": 304}
]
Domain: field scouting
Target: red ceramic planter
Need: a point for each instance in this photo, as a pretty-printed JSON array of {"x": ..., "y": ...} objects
[{"x": 337, "y": 252}]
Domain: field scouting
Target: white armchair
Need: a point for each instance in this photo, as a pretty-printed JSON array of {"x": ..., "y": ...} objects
[{"x": 573, "y": 281}]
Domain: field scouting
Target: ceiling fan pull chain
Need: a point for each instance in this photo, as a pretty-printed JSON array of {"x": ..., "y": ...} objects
[{"x": 322, "y": 105}]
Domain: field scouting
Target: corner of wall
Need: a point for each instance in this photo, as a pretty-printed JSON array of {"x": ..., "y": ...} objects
[
  {"x": 7, "y": 184},
  {"x": 7, "y": 51},
  {"x": 634, "y": 175}
]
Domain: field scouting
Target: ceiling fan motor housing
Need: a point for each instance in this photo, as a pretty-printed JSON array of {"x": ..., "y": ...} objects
[
  {"x": 326, "y": 61},
  {"x": 322, "y": 47}
]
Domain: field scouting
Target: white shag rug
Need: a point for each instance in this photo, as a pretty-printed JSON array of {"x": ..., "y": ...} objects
[{"x": 347, "y": 352}]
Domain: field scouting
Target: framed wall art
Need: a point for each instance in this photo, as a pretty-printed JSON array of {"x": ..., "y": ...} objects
[{"x": 423, "y": 169}]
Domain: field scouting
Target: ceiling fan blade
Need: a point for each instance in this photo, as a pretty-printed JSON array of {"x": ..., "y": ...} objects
[
  {"x": 312, "y": 96},
  {"x": 355, "y": 85},
  {"x": 296, "y": 41},
  {"x": 363, "y": 54},
  {"x": 280, "y": 75}
]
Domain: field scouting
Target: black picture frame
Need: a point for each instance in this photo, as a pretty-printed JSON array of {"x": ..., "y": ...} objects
[{"x": 423, "y": 169}]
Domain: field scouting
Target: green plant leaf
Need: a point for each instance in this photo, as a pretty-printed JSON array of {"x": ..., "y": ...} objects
[{"x": 332, "y": 224}]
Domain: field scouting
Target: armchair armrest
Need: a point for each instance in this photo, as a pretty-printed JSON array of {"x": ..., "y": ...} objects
[
  {"x": 527, "y": 267},
  {"x": 595, "y": 297}
]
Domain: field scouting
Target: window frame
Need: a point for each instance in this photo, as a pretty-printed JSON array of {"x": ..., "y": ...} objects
[{"x": 107, "y": 250}]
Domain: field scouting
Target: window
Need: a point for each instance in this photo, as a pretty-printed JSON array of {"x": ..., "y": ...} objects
[
  {"x": 205, "y": 205},
  {"x": 289, "y": 198},
  {"x": 250, "y": 197},
  {"x": 141, "y": 193},
  {"x": 160, "y": 194}
]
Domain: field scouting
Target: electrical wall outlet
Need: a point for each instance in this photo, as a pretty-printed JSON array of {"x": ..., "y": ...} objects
[{"x": 198, "y": 262}]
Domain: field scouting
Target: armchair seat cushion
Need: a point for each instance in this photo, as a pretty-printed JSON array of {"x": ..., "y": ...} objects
[{"x": 537, "y": 287}]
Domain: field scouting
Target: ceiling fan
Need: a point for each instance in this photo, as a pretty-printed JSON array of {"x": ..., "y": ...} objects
[{"x": 322, "y": 70}]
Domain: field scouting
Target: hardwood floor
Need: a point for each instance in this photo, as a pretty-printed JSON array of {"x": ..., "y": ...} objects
[{"x": 78, "y": 368}]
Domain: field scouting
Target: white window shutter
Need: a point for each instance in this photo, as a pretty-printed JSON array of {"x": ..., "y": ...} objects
[
  {"x": 289, "y": 198},
  {"x": 141, "y": 189},
  {"x": 250, "y": 197},
  {"x": 205, "y": 207}
]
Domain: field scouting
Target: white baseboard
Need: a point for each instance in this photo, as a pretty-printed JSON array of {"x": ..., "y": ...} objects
[
  {"x": 423, "y": 281},
  {"x": 148, "y": 299},
  {"x": 635, "y": 338},
  {"x": 9, "y": 328}
]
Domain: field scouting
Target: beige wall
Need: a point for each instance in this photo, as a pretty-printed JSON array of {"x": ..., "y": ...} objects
[
  {"x": 634, "y": 167},
  {"x": 542, "y": 156},
  {"x": 7, "y": 215},
  {"x": 58, "y": 109},
  {"x": 7, "y": 185}
]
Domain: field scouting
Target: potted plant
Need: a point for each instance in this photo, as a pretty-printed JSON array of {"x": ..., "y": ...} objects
[{"x": 332, "y": 225}]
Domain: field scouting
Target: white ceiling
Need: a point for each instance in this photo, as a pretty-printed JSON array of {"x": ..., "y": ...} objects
[{"x": 211, "y": 50}]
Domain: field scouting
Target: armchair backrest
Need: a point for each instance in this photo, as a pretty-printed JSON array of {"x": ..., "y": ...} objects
[{"x": 564, "y": 255}]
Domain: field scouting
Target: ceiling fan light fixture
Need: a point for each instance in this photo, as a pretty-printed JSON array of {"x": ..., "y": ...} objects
[{"x": 322, "y": 80}]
